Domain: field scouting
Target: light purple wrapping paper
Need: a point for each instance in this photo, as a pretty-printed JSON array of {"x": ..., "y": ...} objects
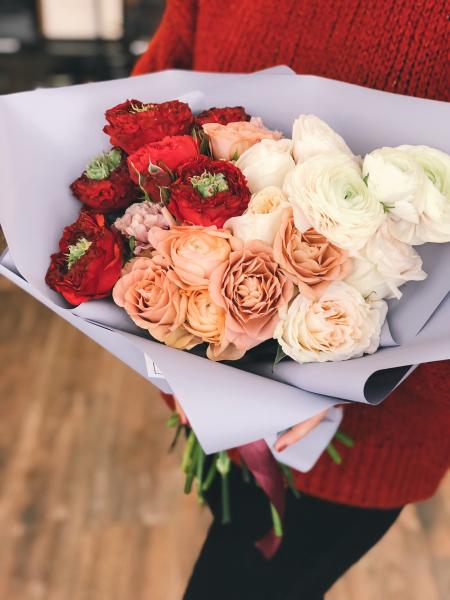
[{"x": 56, "y": 132}]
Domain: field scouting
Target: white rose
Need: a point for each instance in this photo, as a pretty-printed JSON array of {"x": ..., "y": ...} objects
[
  {"x": 383, "y": 265},
  {"x": 328, "y": 193},
  {"x": 312, "y": 136},
  {"x": 338, "y": 326},
  {"x": 262, "y": 219},
  {"x": 266, "y": 163},
  {"x": 413, "y": 183}
]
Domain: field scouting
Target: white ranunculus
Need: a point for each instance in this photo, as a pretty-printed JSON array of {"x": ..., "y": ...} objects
[
  {"x": 328, "y": 193},
  {"x": 312, "y": 136},
  {"x": 266, "y": 163},
  {"x": 413, "y": 183},
  {"x": 262, "y": 219},
  {"x": 338, "y": 326},
  {"x": 383, "y": 265}
]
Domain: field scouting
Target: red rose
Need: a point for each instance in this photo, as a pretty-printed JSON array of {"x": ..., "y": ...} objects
[
  {"x": 89, "y": 260},
  {"x": 229, "y": 114},
  {"x": 106, "y": 185},
  {"x": 168, "y": 153},
  {"x": 208, "y": 192},
  {"x": 133, "y": 123}
]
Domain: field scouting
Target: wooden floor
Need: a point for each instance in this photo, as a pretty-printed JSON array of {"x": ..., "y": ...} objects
[{"x": 90, "y": 501}]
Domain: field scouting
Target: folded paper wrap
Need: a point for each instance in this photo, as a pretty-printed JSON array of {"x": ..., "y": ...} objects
[{"x": 48, "y": 136}]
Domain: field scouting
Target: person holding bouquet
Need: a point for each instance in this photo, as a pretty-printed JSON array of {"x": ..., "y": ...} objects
[{"x": 402, "y": 447}]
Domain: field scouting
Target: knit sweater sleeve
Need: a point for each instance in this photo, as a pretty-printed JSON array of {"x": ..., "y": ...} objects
[{"x": 172, "y": 46}]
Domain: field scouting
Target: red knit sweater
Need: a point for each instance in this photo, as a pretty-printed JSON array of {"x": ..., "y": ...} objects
[{"x": 402, "y": 446}]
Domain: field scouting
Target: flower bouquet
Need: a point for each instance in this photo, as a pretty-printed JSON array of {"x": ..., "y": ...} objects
[{"x": 307, "y": 270}]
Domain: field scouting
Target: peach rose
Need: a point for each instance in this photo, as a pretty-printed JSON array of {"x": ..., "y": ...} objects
[
  {"x": 154, "y": 302},
  {"x": 250, "y": 288},
  {"x": 193, "y": 252},
  {"x": 308, "y": 259},
  {"x": 206, "y": 321},
  {"x": 231, "y": 140}
]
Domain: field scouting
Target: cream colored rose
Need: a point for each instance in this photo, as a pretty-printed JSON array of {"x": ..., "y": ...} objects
[
  {"x": 266, "y": 164},
  {"x": 312, "y": 136},
  {"x": 329, "y": 194},
  {"x": 384, "y": 265},
  {"x": 262, "y": 218},
  {"x": 231, "y": 140},
  {"x": 338, "y": 326},
  {"x": 193, "y": 252},
  {"x": 413, "y": 183}
]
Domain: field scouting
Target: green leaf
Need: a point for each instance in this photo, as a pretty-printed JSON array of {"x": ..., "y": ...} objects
[
  {"x": 132, "y": 244},
  {"x": 174, "y": 442},
  {"x": 279, "y": 356},
  {"x": 334, "y": 454},
  {"x": 276, "y": 520},
  {"x": 366, "y": 178},
  {"x": 173, "y": 420},
  {"x": 344, "y": 439}
]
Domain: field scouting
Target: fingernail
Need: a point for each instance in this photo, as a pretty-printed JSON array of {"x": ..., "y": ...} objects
[{"x": 280, "y": 447}]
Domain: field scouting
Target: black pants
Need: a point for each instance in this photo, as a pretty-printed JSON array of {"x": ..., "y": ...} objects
[{"x": 321, "y": 541}]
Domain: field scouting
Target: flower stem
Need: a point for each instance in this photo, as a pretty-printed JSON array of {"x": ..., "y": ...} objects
[
  {"x": 210, "y": 475},
  {"x": 199, "y": 472},
  {"x": 287, "y": 472},
  {"x": 246, "y": 475},
  {"x": 223, "y": 466},
  {"x": 188, "y": 452},
  {"x": 226, "y": 513}
]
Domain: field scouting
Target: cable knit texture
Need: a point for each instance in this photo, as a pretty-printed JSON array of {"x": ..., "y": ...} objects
[{"x": 402, "y": 447}]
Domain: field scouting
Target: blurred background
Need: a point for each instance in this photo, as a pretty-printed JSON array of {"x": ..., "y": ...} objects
[
  {"x": 61, "y": 42},
  {"x": 91, "y": 503}
]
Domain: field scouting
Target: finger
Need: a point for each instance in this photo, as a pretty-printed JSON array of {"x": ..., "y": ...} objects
[{"x": 299, "y": 431}]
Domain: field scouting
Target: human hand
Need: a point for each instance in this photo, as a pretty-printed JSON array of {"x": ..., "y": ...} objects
[{"x": 299, "y": 431}]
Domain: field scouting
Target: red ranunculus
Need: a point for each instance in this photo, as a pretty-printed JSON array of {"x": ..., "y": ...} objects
[
  {"x": 89, "y": 260},
  {"x": 106, "y": 185},
  {"x": 168, "y": 153},
  {"x": 134, "y": 123},
  {"x": 208, "y": 192},
  {"x": 228, "y": 114}
]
